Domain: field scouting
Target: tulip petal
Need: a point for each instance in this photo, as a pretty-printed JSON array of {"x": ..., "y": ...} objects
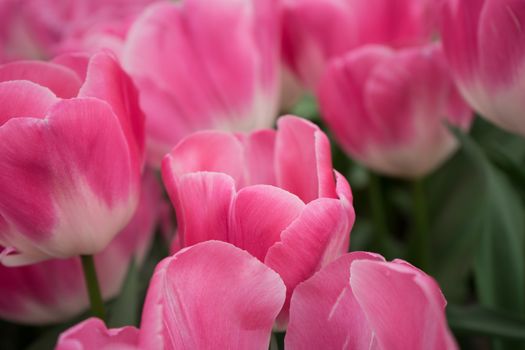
[
  {"x": 93, "y": 334},
  {"x": 64, "y": 82},
  {"x": 211, "y": 296},
  {"x": 317, "y": 237},
  {"x": 259, "y": 214},
  {"x": 502, "y": 43},
  {"x": 211, "y": 151},
  {"x": 76, "y": 62},
  {"x": 202, "y": 202},
  {"x": 404, "y": 307},
  {"x": 45, "y": 169},
  {"x": 324, "y": 313},
  {"x": 24, "y": 99},
  {"x": 259, "y": 153},
  {"x": 303, "y": 159},
  {"x": 107, "y": 81}
]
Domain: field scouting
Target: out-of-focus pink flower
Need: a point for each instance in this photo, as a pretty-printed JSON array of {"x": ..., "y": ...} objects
[
  {"x": 54, "y": 290},
  {"x": 389, "y": 109},
  {"x": 274, "y": 194},
  {"x": 203, "y": 64},
  {"x": 39, "y": 29},
  {"x": 484, "y": 41},
  {"x": 360, "y": 301},
  {"x": 209, "y": 296},
  {"x": 71, "y": 154},
  {"x": 316, "y": 31}
]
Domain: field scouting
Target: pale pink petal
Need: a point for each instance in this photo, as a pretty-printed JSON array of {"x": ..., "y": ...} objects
[
  {"x": 107, "y": 81},
  {"x": 324, "y": 313},
  {"x": 211, "y": 151},
  {"x": 319, "y": 236},
  {"x": 93, "y": 334},
  {"x": 73, "y": 169},
  {"x": 202, "y": 202},
  {"x": 64, "y": 82},
  {"x": 303, "y": 159},
  {"x": 24, "y": 99},
  {"x": 211, "y": 296},
  {"x": 403, "y": 306},
  {"x": 259, "y": 214}
]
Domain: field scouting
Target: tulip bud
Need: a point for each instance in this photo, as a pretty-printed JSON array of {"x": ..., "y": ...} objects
[
  {"x": 484, "y": 42},
  {"x": 389, "y": 109},
  {"x": 204, "y": 65},
  {"x": 71, "y": 155}
]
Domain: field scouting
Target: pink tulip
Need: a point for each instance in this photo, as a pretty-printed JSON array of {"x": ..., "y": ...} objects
[
  {"x": 316, "y": 31},
  {"x": 360, "y": 301},
  {"x": 209, "y": 296},
  {"x": 70, "y": 157},
  {"x": 273, "y": 194},
  {"x": 484, "y": 41},
  {"x": 389, "y": 109},
  {"x": 54, "y": 291},
  {"x": 204, "y": 65}
]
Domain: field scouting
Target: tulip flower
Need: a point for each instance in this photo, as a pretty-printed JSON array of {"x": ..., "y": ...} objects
[
  {"x": 54, "y": 291},
  {"x": 71, "y": 149},
  {"x": 360, "y": 301},
  {"x": 209, "y": 296},
  {"x": 273, "y": 194},
  {"x": 315, "y": 31},
  {"x": 484, "y": 42},
  {"x": 204, "y": 65},
  {"x": 389, "y": 109}
]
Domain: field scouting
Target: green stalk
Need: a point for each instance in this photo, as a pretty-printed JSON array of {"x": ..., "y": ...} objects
[
  {"x": 93, "y": 288},
  {"x": 420, "y": 239},
  {"x": 378, "y": 213}
]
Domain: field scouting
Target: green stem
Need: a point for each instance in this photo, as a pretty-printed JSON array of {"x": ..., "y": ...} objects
[
  {"x": 93, "y": 288},
  {"x": 378, "y": 213},
  {"x": 420, "y": 239}
]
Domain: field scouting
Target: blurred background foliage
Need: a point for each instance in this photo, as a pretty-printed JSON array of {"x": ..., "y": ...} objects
[{"x": 472, "y": 210}]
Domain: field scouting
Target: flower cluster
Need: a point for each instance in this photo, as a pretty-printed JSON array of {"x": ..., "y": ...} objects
[{"x": 106, "y": 104}]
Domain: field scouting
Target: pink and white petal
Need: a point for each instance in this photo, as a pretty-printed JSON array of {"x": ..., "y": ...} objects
[
  {"x": 502, "y": 44},
  {"x": 216, "y": 287},
  {"x": 259, "y": 153},
  {"x": 403, "y": 306},
  {"x": 82, "y": 187},
  {"x": 344, "y": 193},
  {"x": 460, "y": 33},
  {"x": 303, "y": 159},
  {"x": 212, "y": 151},
  {"x": 259, "y": 215},
  {"x": 21, "y": 98},
  {"x": 93, "y": 334},
  {"x": 324, "y": 313},
  {"x": 105, "y": 80},
  {"x": 64, "y": 82},
  {"x": 318, "y": 236},
  {"x": 202, "y": 203}
]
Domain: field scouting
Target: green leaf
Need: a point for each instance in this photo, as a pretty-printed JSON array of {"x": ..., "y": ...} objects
[
  {"x": 500, "y": 258},
  {"x": 307, "y": 108},
  {"x": 484, "y": 321},
  {"x": 125, "y": 309}
]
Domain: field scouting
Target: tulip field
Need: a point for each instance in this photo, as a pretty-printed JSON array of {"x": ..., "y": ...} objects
[{"x": 262, "y": 174}]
